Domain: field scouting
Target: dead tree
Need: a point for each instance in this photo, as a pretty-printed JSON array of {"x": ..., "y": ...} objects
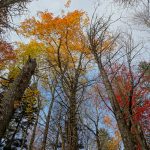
[{"x": 14, "y": 92}]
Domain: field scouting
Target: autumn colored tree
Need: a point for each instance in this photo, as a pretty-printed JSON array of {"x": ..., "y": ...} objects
[
  {"x": 66, "y": 57},
  {"x": 97, "y": 113},
  {"x": 107, "y": 142},
  {"x": 140, "y": 103},
  {"x": 7, "y": 57},
  {"x": 6, "y": 53},
  {"x": 98, "y": 35},
  {"x": 10, "y": 86},
  {"x": 144, "y": 69},
  {"x": 64, "y": 47}
]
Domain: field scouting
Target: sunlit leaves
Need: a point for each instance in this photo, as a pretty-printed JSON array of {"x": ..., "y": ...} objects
[
  {"x": 33, "y": 49},
  {"x": 61, "y": 38}
]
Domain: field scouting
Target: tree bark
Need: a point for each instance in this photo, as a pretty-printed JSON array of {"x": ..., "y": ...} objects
[
  {"x": 62, "y": 138},
  {"x": 72, "y": 141},
  {"x": 14, "y": 92},
  {"x": 98, "y": 142},
  {"x": 57, "y": 139},
  {"x": 43, "y": 147},
  {"x": 127, "y": 136},
  {"x": 34, "y": 131}
]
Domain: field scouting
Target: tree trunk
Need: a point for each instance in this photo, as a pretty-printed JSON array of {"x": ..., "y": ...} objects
[
  {"x": 62, "y": 138},
  {"x": 57, "y": 139},
  {"x": 140, "y": 137},
  {"x": 34, "y": 131},
  {"x": 72, "y": 126},
  {"x": 127, "y": 136},
  {"x": 15, "y": 92},
  {"x": 43, "y": 147},
  {"x": 98, "y": 142}
]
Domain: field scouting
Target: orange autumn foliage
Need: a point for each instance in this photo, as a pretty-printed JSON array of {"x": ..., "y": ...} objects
[
  {"x": 68, "y": 28},
  {"x": 62, "y": 37}
]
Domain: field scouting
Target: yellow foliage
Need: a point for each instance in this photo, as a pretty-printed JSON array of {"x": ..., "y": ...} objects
[
  {"x": 13, "y": 72},
  {"x": 32, "y": 49},
  {"x": 113, "y": 144},
  {"x": 61, "y": 38},
  {"x": 29, "y": 101}
]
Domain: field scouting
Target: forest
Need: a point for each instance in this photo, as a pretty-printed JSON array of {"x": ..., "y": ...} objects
[{"x": 78, "y": 79}]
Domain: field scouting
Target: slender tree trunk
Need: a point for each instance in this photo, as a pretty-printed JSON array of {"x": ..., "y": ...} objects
[
  {"x": 43, "y": 147},
  {"x": 98, "y": 142},
  {"x": 56, "y": 142},
  {"x": 15, "y": 92},
  {"x": 34, "y": 131},
  {"x": 25, "y": 133},
  {"x": 62, "y": 139}
]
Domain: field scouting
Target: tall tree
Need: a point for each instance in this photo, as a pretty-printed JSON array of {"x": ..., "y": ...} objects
[
  {"x": 101, "y": 50},
  {"x": 64, "y": 47}
]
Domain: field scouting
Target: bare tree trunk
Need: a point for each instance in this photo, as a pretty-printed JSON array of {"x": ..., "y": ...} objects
[
  {"x": 15, "y": 92},
  {"x": 43, "y": 147},
  {"x": 98, "y": 142},
  {"x": 24, "y": 135},
  {"x": 140, "y": 136},
  {"x": 62, "y": 138},
  {"x": 96, "y": 36},
  {"x": 127, "y": 136},
  {"x": 57, "y": 139},
  {"x": 72, "y": 126},
  {"x": 34, "y": 131}
]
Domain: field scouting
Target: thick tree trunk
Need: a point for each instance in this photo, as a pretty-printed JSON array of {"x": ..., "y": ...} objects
[
  {"x": 140, "y": 136},
  {"x": 72, "y": 126},
  {"x": 127, "y": 136},
  {"x": 15, "y": 92},
  {"x": 130, "y": 123}
]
